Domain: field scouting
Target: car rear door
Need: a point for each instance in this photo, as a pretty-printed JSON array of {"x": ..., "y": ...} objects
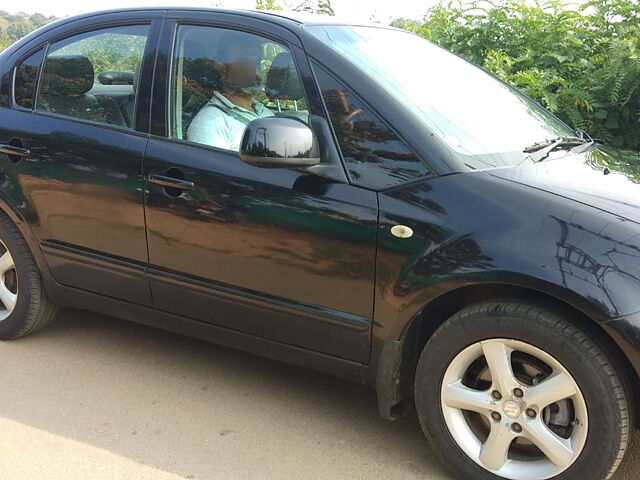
[
  {"x": 86, "y": 130},
  {"x": 277, "y": 253}
]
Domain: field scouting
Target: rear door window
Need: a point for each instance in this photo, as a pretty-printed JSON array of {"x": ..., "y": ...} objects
[
  {"x": 25, "y": 80},
  {"x": 93, "y": 76}
]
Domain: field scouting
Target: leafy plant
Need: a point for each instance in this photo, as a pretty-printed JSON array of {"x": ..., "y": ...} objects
[
  {"x": 107, "y": 51},
  {"x": 321, "y": 7},
  {"x": 580, "y": 62},
  {"x": 15, "y": 26},
  {"x": 267, "y": 5}
]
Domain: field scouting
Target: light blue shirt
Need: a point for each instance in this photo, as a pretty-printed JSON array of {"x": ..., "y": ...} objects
[{"x": 221, "y": 123}]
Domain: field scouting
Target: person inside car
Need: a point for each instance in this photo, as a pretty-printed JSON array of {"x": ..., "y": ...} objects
[{"x": 221, "y": 122}]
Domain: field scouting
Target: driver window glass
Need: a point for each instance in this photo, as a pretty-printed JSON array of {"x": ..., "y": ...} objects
[
  {"x": 374, "y": 155},
  {"x": 222, "y": 79}
]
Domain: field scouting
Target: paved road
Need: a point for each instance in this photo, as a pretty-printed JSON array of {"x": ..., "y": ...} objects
[{"x": 93, "y": 397}]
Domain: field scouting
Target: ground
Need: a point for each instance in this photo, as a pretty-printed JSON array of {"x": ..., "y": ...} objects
[{"x": 97, "y": 397}]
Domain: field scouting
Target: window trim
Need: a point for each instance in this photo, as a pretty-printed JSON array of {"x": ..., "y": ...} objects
[
  {"x": 99, "y": 26},
  {"x": 209, "y": 148},
  {"x": 87, "y": 28},
  {"x": 91, "y": 123}
]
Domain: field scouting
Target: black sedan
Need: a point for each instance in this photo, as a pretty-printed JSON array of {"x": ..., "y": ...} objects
[{"x": 349, "y": 198}]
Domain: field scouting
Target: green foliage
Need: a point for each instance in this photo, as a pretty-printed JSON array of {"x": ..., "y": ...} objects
[
  {"x": 267, "y": 5},
  {"x": 270, "y": 51},
  {"x": 14, "y": 27},
  {"x": 108, "y": 51},
  {"x": 321, "y": 7},
  {"x": 580, "y": 62}
]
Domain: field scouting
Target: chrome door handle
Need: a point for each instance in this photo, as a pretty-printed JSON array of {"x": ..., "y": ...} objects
[
  {"x": 171, "y": 182},
  {"x": 12, "y": 150}
]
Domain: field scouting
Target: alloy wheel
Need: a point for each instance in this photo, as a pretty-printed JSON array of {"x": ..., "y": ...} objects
[
  {"x": 514, "y": 409},
  {"x": 8, "y": 282}
]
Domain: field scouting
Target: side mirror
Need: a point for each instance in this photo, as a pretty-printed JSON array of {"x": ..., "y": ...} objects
[{"x": 279, "y": 142}]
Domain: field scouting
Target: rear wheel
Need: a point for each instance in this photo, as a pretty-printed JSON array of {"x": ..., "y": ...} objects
[
  {"x": 507, "y": 390},
  {"x": 24, "y": 307}
]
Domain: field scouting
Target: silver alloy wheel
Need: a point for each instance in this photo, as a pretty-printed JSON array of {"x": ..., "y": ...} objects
[
  {"x": 507, "y": 427},
  {"x": 8, "y": 283}
]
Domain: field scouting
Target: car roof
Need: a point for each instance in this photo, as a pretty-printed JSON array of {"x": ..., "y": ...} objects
[
  {"x": 285, "y": 19},
  {"x": 276, "y": 16},
  {"x": 305, "y": 18}
]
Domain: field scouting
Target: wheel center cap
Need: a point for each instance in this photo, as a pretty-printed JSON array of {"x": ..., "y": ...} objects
[{"x": 511, "y": 409}]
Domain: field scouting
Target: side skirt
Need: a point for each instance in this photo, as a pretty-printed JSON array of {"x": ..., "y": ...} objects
[{"x": 77, "y": 298}]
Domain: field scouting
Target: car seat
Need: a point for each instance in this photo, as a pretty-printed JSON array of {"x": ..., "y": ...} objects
[{"x": 66, "y": 81}]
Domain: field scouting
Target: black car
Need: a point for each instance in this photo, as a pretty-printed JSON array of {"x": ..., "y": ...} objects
[{"x": 349, "y": 198}]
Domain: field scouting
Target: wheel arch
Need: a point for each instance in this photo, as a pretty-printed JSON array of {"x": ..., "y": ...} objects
[
  {"x": 393, "y": 396},
  {"x": 9, "y": 209}
]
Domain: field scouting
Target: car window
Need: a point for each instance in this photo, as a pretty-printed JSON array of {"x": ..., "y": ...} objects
[
  {"x": 374, "y": 155},
  {"x": 450, "y": 96},
  {"x": 222, "y": 79},
  {"x": 25, "y": 79},
  {"x": 93, "y": 76}
]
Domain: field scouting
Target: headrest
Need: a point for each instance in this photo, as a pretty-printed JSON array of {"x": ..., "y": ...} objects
[
  {"x": 113, "y": 77},
  {"x": 282, "y": 81},
  {"x": 202, "y": 74},
  {"x": 67, "y": 75}
]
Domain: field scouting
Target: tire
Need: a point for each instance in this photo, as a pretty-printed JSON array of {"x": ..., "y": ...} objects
[
  {"x": 460, "y": 418},
  {"x": 32, "y": 310}
]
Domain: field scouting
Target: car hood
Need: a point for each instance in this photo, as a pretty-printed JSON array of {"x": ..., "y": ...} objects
[{"x": 605, "y": 178}]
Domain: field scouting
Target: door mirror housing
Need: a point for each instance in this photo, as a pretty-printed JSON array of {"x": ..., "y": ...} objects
[{"x": 279, "y": 142}]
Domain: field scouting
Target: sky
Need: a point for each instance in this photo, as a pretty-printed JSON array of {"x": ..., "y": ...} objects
[{"x": 375, "y": 10}]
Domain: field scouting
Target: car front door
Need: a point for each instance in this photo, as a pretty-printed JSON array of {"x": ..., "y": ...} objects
[
  {"x": 81, "y": 180},
  {"x": 279, "y": 253}
]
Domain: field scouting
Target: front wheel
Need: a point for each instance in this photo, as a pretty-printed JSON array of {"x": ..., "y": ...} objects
[{"x": 510, "y": 391}]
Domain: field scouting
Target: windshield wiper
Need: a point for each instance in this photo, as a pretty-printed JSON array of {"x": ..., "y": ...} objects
[{"x": 540, "y": 151}]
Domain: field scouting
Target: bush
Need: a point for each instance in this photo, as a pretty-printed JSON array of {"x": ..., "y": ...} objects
[
  {"x": 580, "y": 62},
  {"x": 15, "y": 26}
]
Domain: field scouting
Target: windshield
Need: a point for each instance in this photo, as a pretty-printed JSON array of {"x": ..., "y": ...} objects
[{"x": 484, "y": 121}]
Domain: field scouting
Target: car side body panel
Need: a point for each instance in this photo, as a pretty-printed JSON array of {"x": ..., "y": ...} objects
[
  {"x": 277, "y": 253},
  {"x": 82, "y": 193},
  {"x": 475, "y": 229},
  {"x": 80, "y": 190}
]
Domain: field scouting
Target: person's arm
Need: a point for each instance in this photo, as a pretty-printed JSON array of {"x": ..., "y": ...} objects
[{"x": 210, "y": 127}]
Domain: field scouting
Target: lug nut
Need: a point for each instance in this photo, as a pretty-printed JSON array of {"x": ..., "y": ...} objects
[
  {"x": 516, "y": 427},
  {"x": 531, "y": 412},
  {"x": 496, "y": 395},
  {"x": 518, "y": 392},
  {"x": 496, "y": 416}
]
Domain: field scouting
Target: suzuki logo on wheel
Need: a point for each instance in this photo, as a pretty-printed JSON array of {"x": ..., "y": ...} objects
[{"x": 511, "y": 409}]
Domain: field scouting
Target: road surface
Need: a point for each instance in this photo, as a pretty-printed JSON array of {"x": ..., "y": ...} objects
[{"x": 101, "y": 398}]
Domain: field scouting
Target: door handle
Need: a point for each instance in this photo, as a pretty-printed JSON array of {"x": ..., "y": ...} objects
[
  {"x": 171, "y": 182},
  {"x": 12, "y": 150}
]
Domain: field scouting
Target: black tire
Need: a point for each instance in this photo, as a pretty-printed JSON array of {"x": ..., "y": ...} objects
[
  {"x": 605, "y": 397},
  {"x": 33, "y": 310}
]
